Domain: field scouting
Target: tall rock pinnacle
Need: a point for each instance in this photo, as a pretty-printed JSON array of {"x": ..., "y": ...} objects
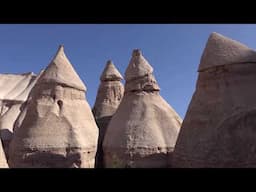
[
  {"x": 57, "y": 128},
  {"x": 144, "y": 129},
  {"x": 109, "y": 96}
]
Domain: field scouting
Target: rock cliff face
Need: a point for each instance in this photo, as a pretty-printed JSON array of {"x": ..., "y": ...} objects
[
  {"x": 219, "y": 126},
  {"x": 109, "y": 96},
  {"x": 56, "y": 128},
  {"x": 144, "y": 129},
  {"x": 13, "y": 95}
]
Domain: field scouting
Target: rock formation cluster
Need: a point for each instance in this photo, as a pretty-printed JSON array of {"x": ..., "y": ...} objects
[
  {"x": 109, "y": 96},
  {"x": 143, "y": 131},
  {"x": 46, "y": 121}
]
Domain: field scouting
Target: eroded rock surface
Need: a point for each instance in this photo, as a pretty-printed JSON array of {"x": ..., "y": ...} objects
[
  {"x": 14, "y": 90},
  {"x": 219, "y": 126},
  {"x": 144, "y": 129},
  {"x": 56, "y": 127},
  {"x": 109, "y": 96}
]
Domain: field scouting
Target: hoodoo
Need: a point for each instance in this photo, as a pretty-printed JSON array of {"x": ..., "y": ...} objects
[
  {"x": 57, "y": 127},
  {"x": 109, "y": 96},
  {"x": 144, "y": 129},
  {"x": 220, "y": 125}
]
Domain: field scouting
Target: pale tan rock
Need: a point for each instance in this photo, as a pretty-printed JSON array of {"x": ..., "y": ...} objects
[
  {"x": 144, "y": 129},
  {"x": 138, "y": 66},
  {"x": 14, "y": 90},
  {"x": 219, "y": 126},
  {"x": 110, "y": 73},
  {"x": 109, "y": 96},
  {"x": 3, "y": 161},
  {"x": 220, "y": 50},
  {"x": 56, "y": 73},
  {"x": 23, "y": 107},
  {"x": 56, "y": 128}
]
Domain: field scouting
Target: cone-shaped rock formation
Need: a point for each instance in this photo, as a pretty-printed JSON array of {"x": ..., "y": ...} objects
[
  {"x": 220, "y": 51},
  {"x": 57, "y": 128},
  {"x": 60, "y": 71},
  {"x": 219, "y": 126},
  {"x": 110, "y": 93},
  {"x": 144, "y": 129}
]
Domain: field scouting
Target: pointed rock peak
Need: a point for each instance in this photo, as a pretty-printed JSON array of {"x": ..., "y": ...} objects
[
  {"x": 61, "y": 71},
  {"x": 136, "y": 53},
  {"x": 110, "y": 73},
  {"x": 60, "y": 53},
  {"x": 61, "y": 48},
  {"x": 109, "y": 62},
  {"x": 221, "y": 50},
  {"x": 138, "y": 66}
]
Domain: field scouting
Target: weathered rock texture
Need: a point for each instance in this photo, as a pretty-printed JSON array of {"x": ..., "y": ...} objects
[
  {"x": 3, "y": 161},
  {"x": 144, "y": 129},
  {"x": 219, "y": 129},
  {"x": 14, "y": 90},
  {"x": 109, "y": 96},
  {"x": 56, "y": 128}
]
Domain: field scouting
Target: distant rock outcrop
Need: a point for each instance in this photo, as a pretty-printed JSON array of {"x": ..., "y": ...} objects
[
  {"x": 57, "y": 127},
  {"x": 109, "y": 96},
  {"x": 144, "y": 129},
  {"x": 13, "y": 95},
  {"x": 219, "y": 129}
]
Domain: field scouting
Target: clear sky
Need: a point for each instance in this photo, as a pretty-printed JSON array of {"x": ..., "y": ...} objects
[{"x": 174, "y": 51}]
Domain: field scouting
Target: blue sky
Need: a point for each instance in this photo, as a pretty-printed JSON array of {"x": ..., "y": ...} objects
[{"x": 174, "y": 51}]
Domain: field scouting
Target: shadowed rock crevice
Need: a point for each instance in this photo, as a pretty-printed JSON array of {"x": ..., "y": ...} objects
[
  {"x": 53, "y": 158},
  {"x": 102, "y": 123}
]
